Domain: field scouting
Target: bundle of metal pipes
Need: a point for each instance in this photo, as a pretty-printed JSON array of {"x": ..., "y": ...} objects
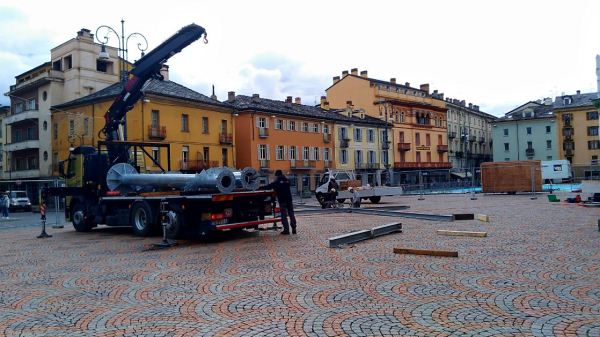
[{"x": 124, "y": 178}]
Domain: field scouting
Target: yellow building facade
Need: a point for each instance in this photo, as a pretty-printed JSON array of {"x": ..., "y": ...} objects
[{"x": 198, "y": 129}]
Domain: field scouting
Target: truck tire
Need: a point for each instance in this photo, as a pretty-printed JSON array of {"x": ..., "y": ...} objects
[
  {"x": 341, "y": 201},
  {"x": 375, "y": 199},
  {"x": 80, "y": 219},
  {"x": 141, "y": 218},
  {"x": 175, "y": 223}
]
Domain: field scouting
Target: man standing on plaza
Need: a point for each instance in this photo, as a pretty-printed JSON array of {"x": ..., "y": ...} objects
[{"x": 281, "y": 186}]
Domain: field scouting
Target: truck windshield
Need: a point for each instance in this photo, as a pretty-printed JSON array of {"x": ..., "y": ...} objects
[{"x": 18, "y": 194}]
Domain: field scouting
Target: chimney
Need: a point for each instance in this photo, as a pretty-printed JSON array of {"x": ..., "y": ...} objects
[
  {"x": 288, "y": 99},
  {"x": 548, "y": 101},
  {"x": 213, "y": 96},
  {"x": 425, "y": 87},
  {"x": 407, "y": 84},
  {"x": 164, "y": 72},
  {"x": 344, "y": 73},
  {"x": 470, "y": 105},
  {"x": 255, "y": 98},
  {"x": 442, "y": 96},
  {"x": 349, "y": 104},
  {"x": 354, "y": 71},
  {"x": 462, "y": 103},
  {"x": 393, "y": 80},
  {"x": 231, "y": 96},
  {"x": 363, "y": 74},
  {"x": 297, "y": 100},
  {"x": 578, "y": 92},
  {"x": 336, "y": 79},
  {"x": 476, "y": 107},
  {"x": 85, "y": 34},
  {"x": 323, "y": 99},
  {"x": 325, "y": 105}
]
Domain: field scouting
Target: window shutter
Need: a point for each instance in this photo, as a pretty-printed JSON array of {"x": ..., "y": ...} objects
[
  {"x": 258, "y": 151},
  {"x": 257, "y": 122},
  {"x": 285, "y": 152},
  {"x": 266, "y": 123},
  {"x": 268, "y": 152}
]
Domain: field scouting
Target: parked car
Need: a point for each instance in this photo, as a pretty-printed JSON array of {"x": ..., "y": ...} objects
[{"x": 19, "y": 201}]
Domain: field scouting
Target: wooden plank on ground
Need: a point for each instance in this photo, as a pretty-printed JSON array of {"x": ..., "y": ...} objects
[
  {"x": 425, "y": 252},
  {"x": 483, "y": 217},
  {"x": 461, "y": 233},
  {"x": 466, "y": 216}
]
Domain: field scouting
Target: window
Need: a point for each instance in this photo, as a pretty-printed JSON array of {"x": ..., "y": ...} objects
[
  {"x": 292, "y": 152},
  {"x": 262, "y": 152},
  {"x": 315, "y": 127},
  {"x": 185, "y": 153},
  {"x": 101, "y": 66},
  {"x": 357, "y": 135},
  {"x": 505, "y": 132},
  {"x": 548, "y": 128},
  {"x": 427, "y": 139},
  {"x": 418, "y": 157},
  {"x": 548, "y": 157},
  {"x": 592, "y": 115},
  {"x": 156, "y": 155},
  {"x": 592, "y": 130},
  {"x": 344, "y": 156},
  {"x": 206, "y": 154},
  {"x": 18, "y": 107},
  {"x": 358, "y": 158},
  {"x": 305, "y": 152},
  {"x": 71, "y": 128},
  {"x": 528, "y": 130},
  {"x": 224, "y": 126},
  {"x": 371, "y": 157},
  {"x": 384, "y": 135},
  {"x": 315, "y": 153},
  {"x": 68, "y": 62},
  {"x": 154, "y": 119},
  {"x": 205, "y": 125},
  {"x": 384, "y": 157},
  {"x": 506, "y": 159},
  {"x": 529, "y": 145},
  {"x": 279, "y": 124},
  {"x": 506, "y": 147},
  {"x": 429, "y": 157},
  {"x": 279, "y": 152},
  {"x": 326, "y": 128},
  {"x": 548, "y": 144},
  {"x": 56, "y": 65},
  {"x": 326, "y": 154},
  {"x": 305, "y": 127},
  {"x": 343, "y": 133},
  {"x": 291, "y": 125},
  {"x": 593, "y": 144},
  {"x": 184, "y": 123},
  {"x": 418, "y": 139},
  {"x": 31, "y": 104},
  {"x": 262, "y": 122},
  {"x": 371, "y": 135}
]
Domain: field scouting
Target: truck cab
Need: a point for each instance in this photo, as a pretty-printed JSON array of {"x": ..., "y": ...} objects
[{"x": 19, "y": 201}]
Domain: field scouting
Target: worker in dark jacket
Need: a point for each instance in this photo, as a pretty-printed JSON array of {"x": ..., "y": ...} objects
[{"x": 281, "y": 186}]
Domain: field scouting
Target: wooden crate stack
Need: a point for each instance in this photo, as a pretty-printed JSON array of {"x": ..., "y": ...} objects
[{"x": 511, "y": 176}]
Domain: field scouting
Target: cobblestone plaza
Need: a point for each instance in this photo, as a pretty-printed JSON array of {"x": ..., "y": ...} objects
[{"x": 536, "y": 274}]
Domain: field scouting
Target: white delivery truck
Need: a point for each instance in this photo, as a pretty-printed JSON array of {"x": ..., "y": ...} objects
[
  {"x": 346, "y": 179},
  {"x": 556, "y": 171}
]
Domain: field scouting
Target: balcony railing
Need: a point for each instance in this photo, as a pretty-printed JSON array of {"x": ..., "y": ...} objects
[
  {"x": 569, "y": 153},
  {"x": 413, "y": 165},
  {"x": 452, "y": 134},
  {"x": 264, "y": 163},
  {"x": 226, "y": 138},
  {"x": 197, "y": 165},
  {"x": 472, "y": 139},
  {"x": 327, "y": 163},
  {"x": 344, "y": 142},
  {"x": 157, "y": 132},
  {"x": 442, "y": 148},
  {"x": 529, "y": 152},
  {"x": 302, "y": 164},
  {"x": 567, "y": 132},
  {"x": 263, "y": 132},
  {"x": 481, "y": 140},
  {"x": 326, "y": 138},
  {"x": 403, "y": 146}
]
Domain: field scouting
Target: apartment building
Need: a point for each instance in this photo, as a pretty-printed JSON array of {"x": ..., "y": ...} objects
[
  {"x": 528, "y": 132},
  {"x": 197, "y": 128},
  {"x": 418, "y": 116}
]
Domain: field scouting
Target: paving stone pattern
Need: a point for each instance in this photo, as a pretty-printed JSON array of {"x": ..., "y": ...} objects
[{"x": 537, "y": 274}]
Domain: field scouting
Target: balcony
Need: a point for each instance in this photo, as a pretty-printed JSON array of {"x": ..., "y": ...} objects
[
  {"x": 32, "y": 115},
  {"x": 226, "y": 138},
  {"x": 157, "y": 132},
  {"x": 344, "y": 142},
  {"x": 263, "y": 132},
  {"x": 326, "y": 138},
  {"x": 472, "y": 139},
  {"x": 481, "y": 140},
  {"x": 385, "y": 145},
  {"x": 427, "y": 165},
  {"x": 403, "y": 147},
  {"x": 303, "y": 164},
  {"x": 452, "y": 134},
  {"x": 23, "y": 145},
  {"x": 327, "y": 164},
  {"x": 567, "y": 132},
  {"x": 39, "y": 79},
  {"x": 263, "y": 163},
  {"x": 569, "y": 153},
  {"x": 442, "y": 148},
  {"x": 529, "y": 152},
  {"x": 197, "y": 165}
]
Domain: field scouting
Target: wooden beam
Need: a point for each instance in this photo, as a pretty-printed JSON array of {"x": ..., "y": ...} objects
[
  {"x": 461, "y": 233},
  {"x": 425, "y": 252},
  {"x": 483, "y": 217},
  {"x": 466, "y": 216}
]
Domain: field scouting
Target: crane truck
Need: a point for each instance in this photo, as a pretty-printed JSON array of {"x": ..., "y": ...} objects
[{"x": 103, "y": 185}]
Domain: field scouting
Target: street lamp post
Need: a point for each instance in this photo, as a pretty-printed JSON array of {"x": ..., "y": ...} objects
[
  {"x": 385, "y": 109},
  {"x": 123, "y": 53}
]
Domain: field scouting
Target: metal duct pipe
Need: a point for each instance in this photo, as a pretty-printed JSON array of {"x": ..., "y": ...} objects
[
  {"x": 125, "y": 178},
  {"x": 246, "y": 179}
]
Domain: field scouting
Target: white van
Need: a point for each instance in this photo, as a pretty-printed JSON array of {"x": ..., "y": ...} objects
[
  {"x": 19, "y": 200},
  {"x": 556, "y": 171}
]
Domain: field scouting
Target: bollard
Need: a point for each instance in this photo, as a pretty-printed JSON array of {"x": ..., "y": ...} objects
[{"x": 43, "y": 218}]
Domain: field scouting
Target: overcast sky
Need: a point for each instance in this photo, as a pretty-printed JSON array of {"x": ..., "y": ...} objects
[{"x": 496, "y": 54}]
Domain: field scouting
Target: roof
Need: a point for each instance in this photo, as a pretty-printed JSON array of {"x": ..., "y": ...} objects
[
  {"x": 153, "y": 86},
  {"x": 379, "y": 82},
  {"x": 243, "y": 102},
  {"x": 577, "y": 100}
]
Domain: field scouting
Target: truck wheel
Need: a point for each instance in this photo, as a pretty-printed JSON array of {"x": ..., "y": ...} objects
[
  {"x": 175, "y": 224},
  {"x": 79, "y": 218},
  {"x": 375, "y": 199},
  {"x": 321, "y": 199},
  {"x": 141, "y": 218}
]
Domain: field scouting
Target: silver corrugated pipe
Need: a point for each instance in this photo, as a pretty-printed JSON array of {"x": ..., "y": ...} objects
[{"x": 246, "y": 179}]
